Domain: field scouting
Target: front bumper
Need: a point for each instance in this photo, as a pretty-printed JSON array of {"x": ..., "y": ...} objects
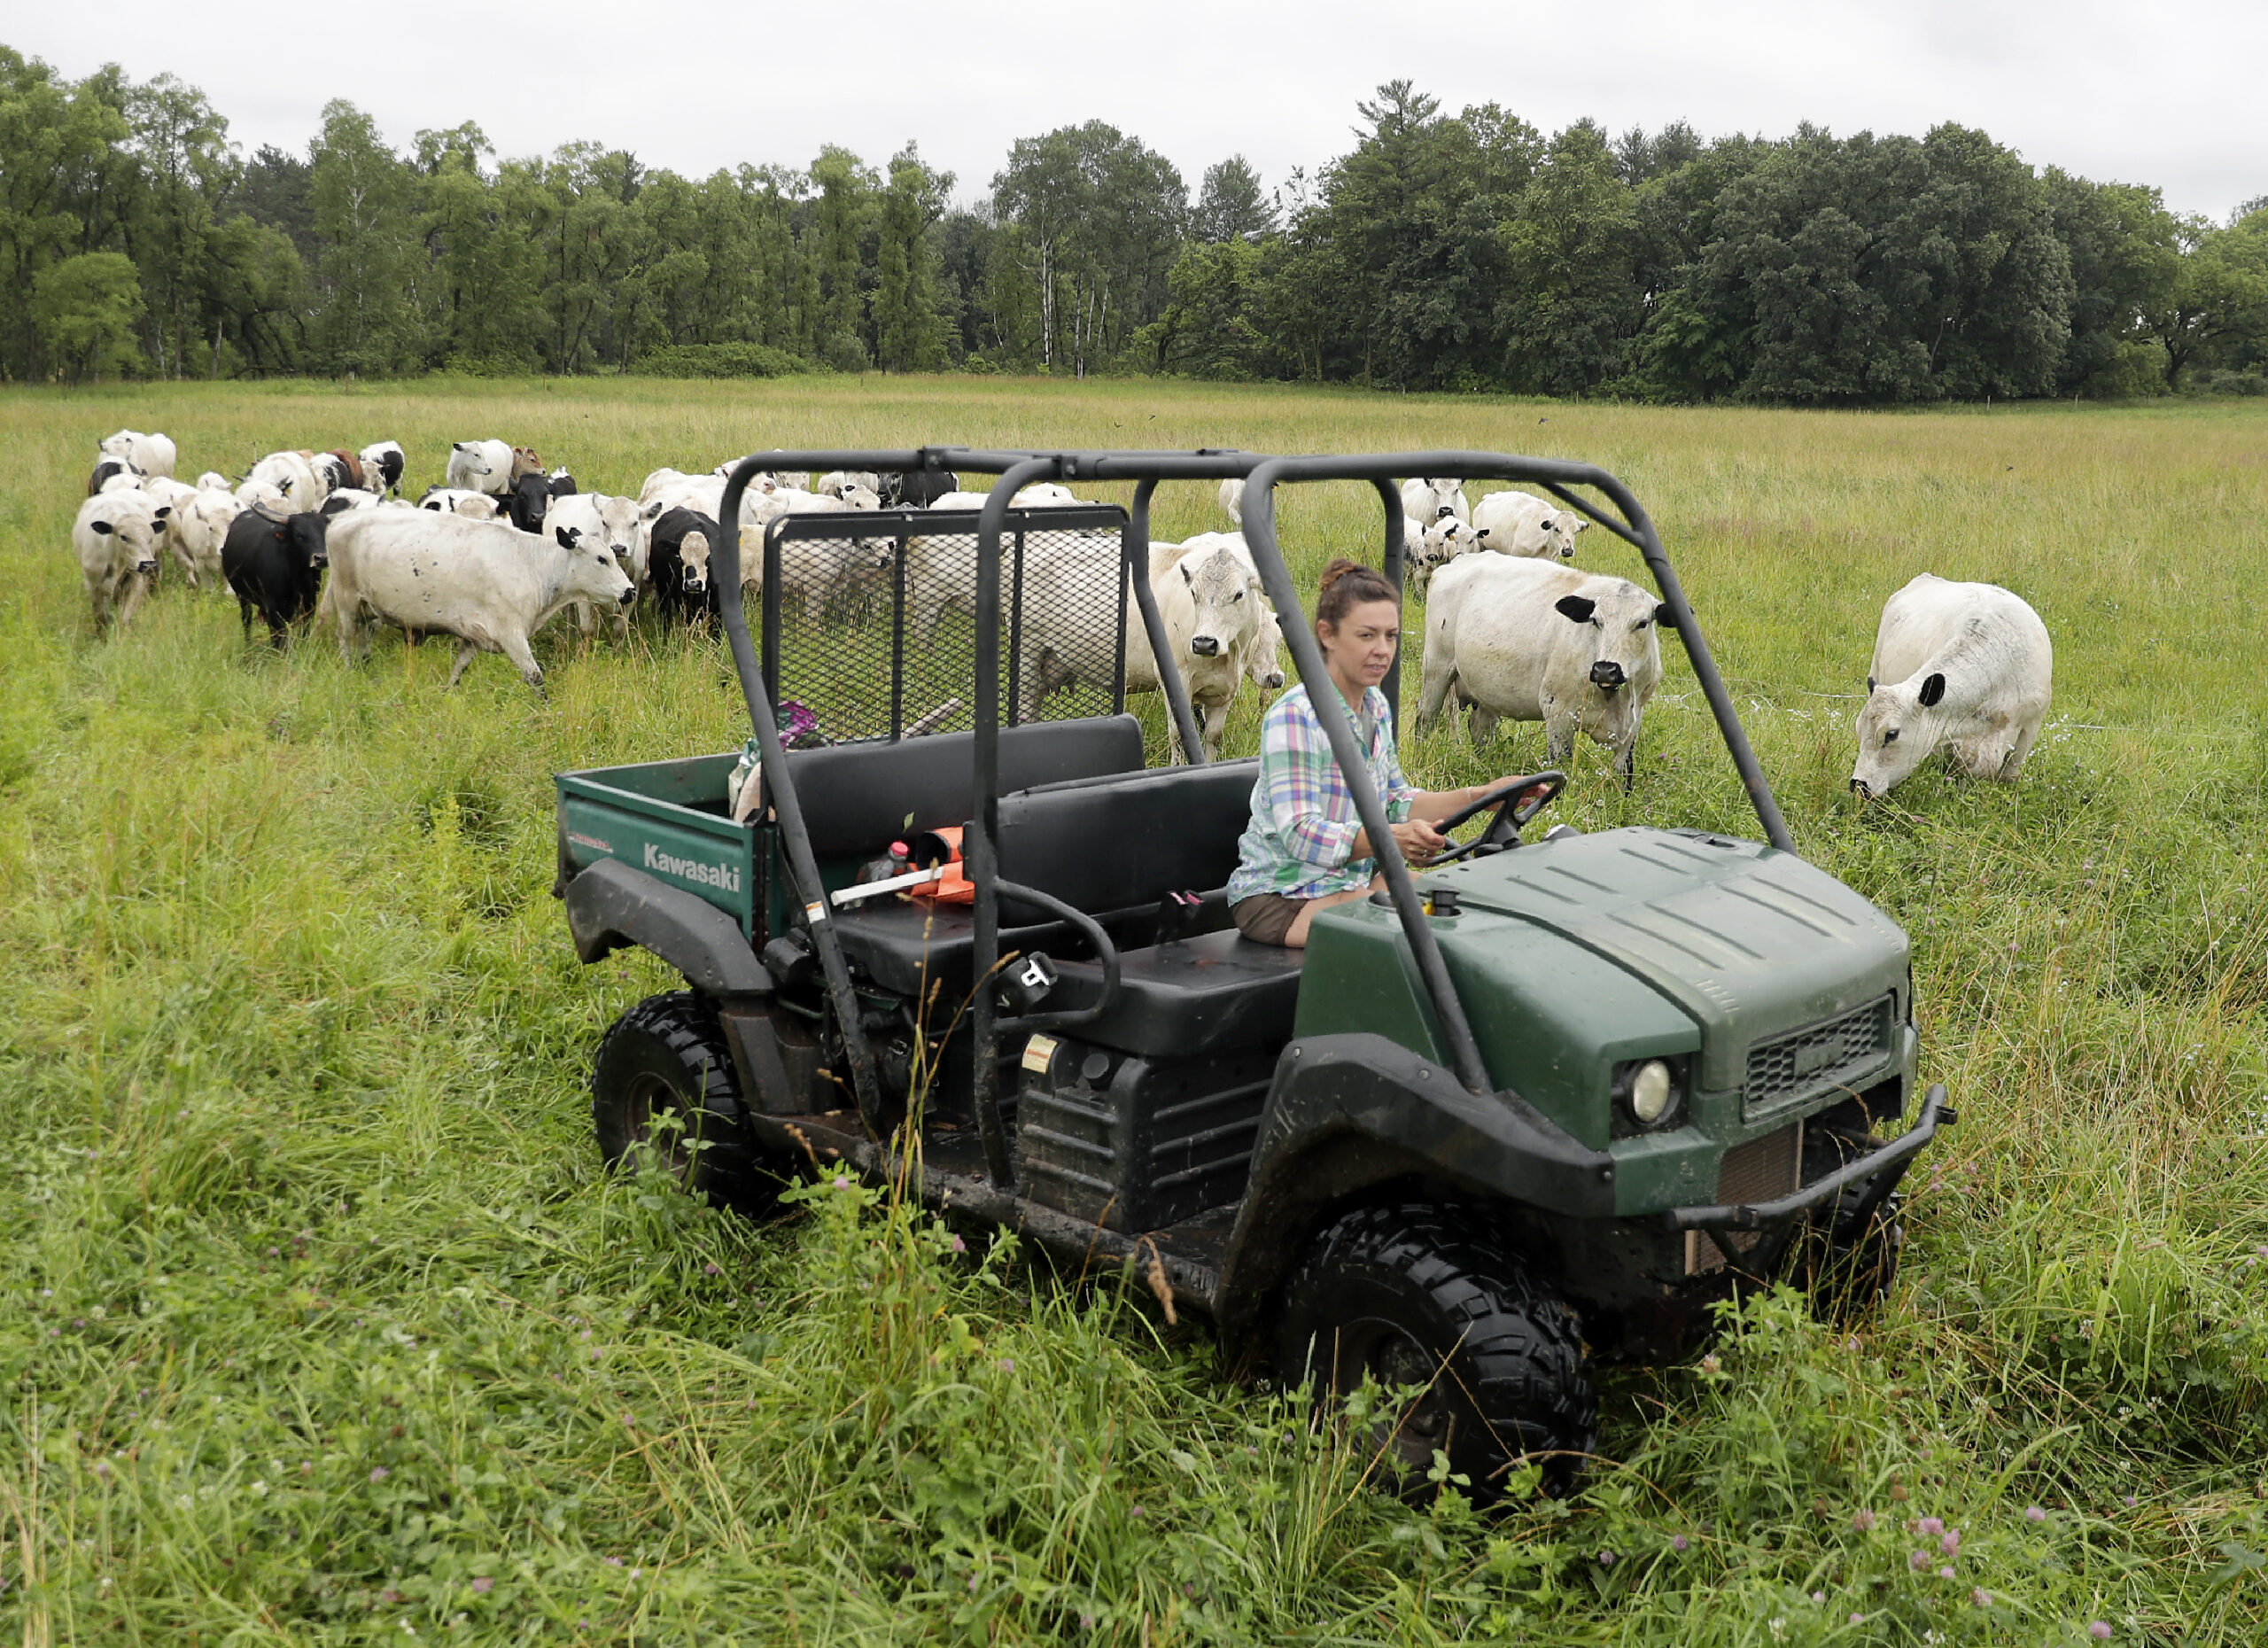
[{"x": 1883, "y": 1167}]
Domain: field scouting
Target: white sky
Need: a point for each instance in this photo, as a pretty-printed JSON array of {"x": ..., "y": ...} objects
[{"x": 2164, "y": 93}]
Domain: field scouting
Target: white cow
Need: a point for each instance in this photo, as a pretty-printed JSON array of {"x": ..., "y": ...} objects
[
  {"x": 1209, "y": 598},
  {"x": 153, "y": 455},
  {"x": 1430, "y": 501},
  {"x": 1536, "y": 641},
  {"x": 617, "y": 525},
  {"x": 1263, "y": 661},
  {"x": 197, "y": 528},
  {"x": 1434, "y": 549},
  {"x": 382, "y": 463},
  {"x": 487, "y": 584},
  {"x": 292, "y": 477},
  {"x": 116, "y": 536},
  {"x": 348, "y": 498},
  {"x": 941, "y": 569},
  {"x": 480, "y": 466},
  {"x": 1231, "y": 497},
  {"x": 1521, "y": 524},
  {"x": 1966, "y": 667},
  {"x": 111, "y": 472},
  {"x": 835, "y": 483},
  {"x": 473, "y": 506},
  {"x": 213, "y": 480}
]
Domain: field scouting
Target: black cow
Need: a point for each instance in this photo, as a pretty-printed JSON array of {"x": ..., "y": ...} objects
[
  {"x": 104, "y": 468},
  {"x": 275, "y": 563},
  {"x": 562, "y": 483},
  {"x": 526, "y": 503},
  {"x": 682, "y": 585},
  {"x": 919, "y": 490}
]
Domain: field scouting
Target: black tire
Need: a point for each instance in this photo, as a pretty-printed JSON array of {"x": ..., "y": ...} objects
[
  {"x": 1846, "y": 1257},
  {"x": 666, "y": 1058},
  {"x": 1411, "y": 1295}
]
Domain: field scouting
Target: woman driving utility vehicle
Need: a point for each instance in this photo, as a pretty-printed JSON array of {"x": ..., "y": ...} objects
[{"x": 1306, "y": 848}]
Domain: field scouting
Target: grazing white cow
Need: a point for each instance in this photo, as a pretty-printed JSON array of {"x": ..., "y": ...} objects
[
  {"x": 382, "y": 463},
  {"x": 800, "y": 479},
  {"x": 1209, "y": 598},
  {"x": 488, "y": 584},
  {"x": 116, "y": 536},
  {"x": 152, "y": 454},
  {"x": 1426, "y": 502},
  {"x": 1536, "y": 641},
  {"x": 480, "y": 466},
  {"x": 197, "y": 528},
  {"x": 1521, "y": 524},
  {"x": 213, "y": 480},
  {"x": 1964, "y": 668},
  {"x": 835, "y": 483},
  {"x": 291, "y": 478},
  {"x": 473, "y": 506}
]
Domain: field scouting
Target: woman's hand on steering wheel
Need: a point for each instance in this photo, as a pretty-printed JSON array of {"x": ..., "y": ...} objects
[{"x": 1516, "y": 800}]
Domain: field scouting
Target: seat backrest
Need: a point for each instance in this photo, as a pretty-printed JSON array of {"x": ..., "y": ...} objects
[
  {"x": 855, "y": 797},
  {"x": 1112, "y": 843}
]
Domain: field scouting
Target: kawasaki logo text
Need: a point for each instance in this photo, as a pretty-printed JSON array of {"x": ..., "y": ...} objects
[{"x": 721, "y": 876}]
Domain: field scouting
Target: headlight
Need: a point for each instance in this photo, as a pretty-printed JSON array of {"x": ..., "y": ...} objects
[
  {"x": 1646, "y": 1092},
  {"x": 1650, "y": 1091}
]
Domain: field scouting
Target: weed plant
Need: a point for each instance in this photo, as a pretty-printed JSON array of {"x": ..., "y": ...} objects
[{"x": 321, "y": 1323}]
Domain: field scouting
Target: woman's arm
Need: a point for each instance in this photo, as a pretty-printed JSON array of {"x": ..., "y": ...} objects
[{"x": 1417, "y": 838}]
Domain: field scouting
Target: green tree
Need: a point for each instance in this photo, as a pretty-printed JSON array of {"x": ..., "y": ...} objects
[
  {"x": 85, "y": 308},
  {"x": 53, "y": 140},
  {"x": 368, "y": 259},
  {"x": 906, "y": 287},
  {"x": 181, "y": 143},
  {"x": 1572, "y": 305},
  {"x": 845, "y": 203},
  {"x": 1231, "y": 204}
]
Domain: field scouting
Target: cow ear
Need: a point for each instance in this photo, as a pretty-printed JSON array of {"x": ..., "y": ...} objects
[
  {"x": 567, "y": 535},
  {"x": 164, "y": 511},
  {"x": 103, "y": 528},
  {"x": 653, "y": 510},
  {"x": 1932, "y": 689},
  {"x": 1183, "y": 568},
  {"x": 1664, "y": 617},
  {"x": 1870, "y": 686},
  {"x": 1483, "y": 533},
  {"x": 1579, "y": 608}
]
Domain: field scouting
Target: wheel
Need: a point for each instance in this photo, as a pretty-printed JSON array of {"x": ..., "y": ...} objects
[
  {"x": 1846, "y": 1257},
  {"x": 663, "y": 1085},
  {"x": 1408, "y": 1296}
]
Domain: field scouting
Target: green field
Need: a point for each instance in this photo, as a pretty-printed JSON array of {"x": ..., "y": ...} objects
[{"x": 324, "y": 1324}]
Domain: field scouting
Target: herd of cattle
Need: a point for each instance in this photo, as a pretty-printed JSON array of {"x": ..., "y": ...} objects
[{"x": 1511, "y": 630}]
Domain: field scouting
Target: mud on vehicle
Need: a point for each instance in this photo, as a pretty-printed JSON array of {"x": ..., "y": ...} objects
[{"x": 1544, "y": 1103}]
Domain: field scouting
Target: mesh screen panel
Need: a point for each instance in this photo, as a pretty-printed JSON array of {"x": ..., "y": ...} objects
[
  {"x": 1805, "y": 1063},
  {"x": 869, "y": 618},
  {"x": 1762, "y": 1169}
]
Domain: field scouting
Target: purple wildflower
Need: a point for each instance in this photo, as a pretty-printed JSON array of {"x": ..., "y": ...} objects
[
  {"x": 1864, "y": 1521},
  {"x": 614, "y": 1562},
  {"x": 1007, "y": 1364},
  {"x": 1136, "y": 1511},
  {"x": 1819, "y": 1596},
  {"x": 1951, "y": 1543},
  {"x": 2100, "y": 1630},
  {"x": 841, "y": 1183},
  {"x": 2131, "y": 1502},
  {"x": 378, "y": 1474},
  {"x": 1981, "y": 1598},
  {"x": 2033, "y": 1513},
  {"x": 484, "y": 1585},
  {"x": 1919, "y": 1561},
  {"x": 1929, "y": 1525},
  {"x": 962, "y": 1247},
  {"x": 1086, "y": 1621},
  {"x": 1606, "y": 1558},
  {"x": 1677, "y": 1542},
  {"x": 1945, "y": 1573},
  {"x": 1858, "y": 1618}
]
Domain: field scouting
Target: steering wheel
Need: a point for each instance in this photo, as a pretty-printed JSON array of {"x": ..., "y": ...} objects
[{"x": 1516, "y": 801}]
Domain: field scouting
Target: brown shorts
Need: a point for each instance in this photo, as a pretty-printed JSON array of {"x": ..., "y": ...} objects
[{"x": 1266, "y": 918}]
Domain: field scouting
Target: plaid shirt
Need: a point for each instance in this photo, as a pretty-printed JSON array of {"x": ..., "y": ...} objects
[{"x": 1303, "y": 818}]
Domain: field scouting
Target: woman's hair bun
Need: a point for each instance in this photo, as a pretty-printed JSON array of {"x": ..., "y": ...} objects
[{"x": 1337, "y": 570}]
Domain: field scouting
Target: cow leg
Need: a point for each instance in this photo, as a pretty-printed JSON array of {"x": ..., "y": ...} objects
[
  {"x": 467, "y": 651},
  {"x": 1559, "y": 738},
  {"x": 516, "y": 648},
  {"x": 137, "y": 587},
  {"x": 1483, "y": 723},
  {"x": 243, "y": 610},
  {"x": 1430, "y": 701}
]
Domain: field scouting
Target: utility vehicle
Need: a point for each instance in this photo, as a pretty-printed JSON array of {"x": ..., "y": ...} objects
[{"x": 1547, "y": 1101}]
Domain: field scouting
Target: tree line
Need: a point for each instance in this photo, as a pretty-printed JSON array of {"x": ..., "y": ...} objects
[{"x": 1468, "y": 252}]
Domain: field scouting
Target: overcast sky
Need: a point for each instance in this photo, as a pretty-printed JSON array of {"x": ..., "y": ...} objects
[{"x": 2166, "y": 93}]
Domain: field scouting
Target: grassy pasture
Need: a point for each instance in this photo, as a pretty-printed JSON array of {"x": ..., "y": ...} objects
[{"x": 322, "y": 1326}]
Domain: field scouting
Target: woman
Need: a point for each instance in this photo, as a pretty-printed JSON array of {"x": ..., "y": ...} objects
[{"x": 1306, "y": 849}]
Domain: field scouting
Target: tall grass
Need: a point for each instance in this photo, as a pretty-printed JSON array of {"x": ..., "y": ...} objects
[{"x": 323, "y": 1326}]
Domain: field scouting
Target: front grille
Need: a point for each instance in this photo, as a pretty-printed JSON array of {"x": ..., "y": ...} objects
[
  {"x": 1818, "y": 1059},
  {"x": 1762, "y": 1169}
]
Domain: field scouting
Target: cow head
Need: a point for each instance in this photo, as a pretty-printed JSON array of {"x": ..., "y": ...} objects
[
  {"x": 1263, "y": 660},
  {"x": 133, "y": 531},
  {"x": 307, "y": 535},
  {"x": 693, "y": 560},
  {"x": 1560, "y": 527},
  {"x": 592, "y": 571},
  {"x": 1897, "y": 728},
  {"x": 1618, "y": 623},
  {"x": 1441, "y": 543},
  {"x": 1227, "y": 599},
  {"x": 525, "y": 461}
]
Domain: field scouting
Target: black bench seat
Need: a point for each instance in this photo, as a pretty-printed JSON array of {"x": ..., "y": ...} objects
[{"x": 1218, "y": 992}]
